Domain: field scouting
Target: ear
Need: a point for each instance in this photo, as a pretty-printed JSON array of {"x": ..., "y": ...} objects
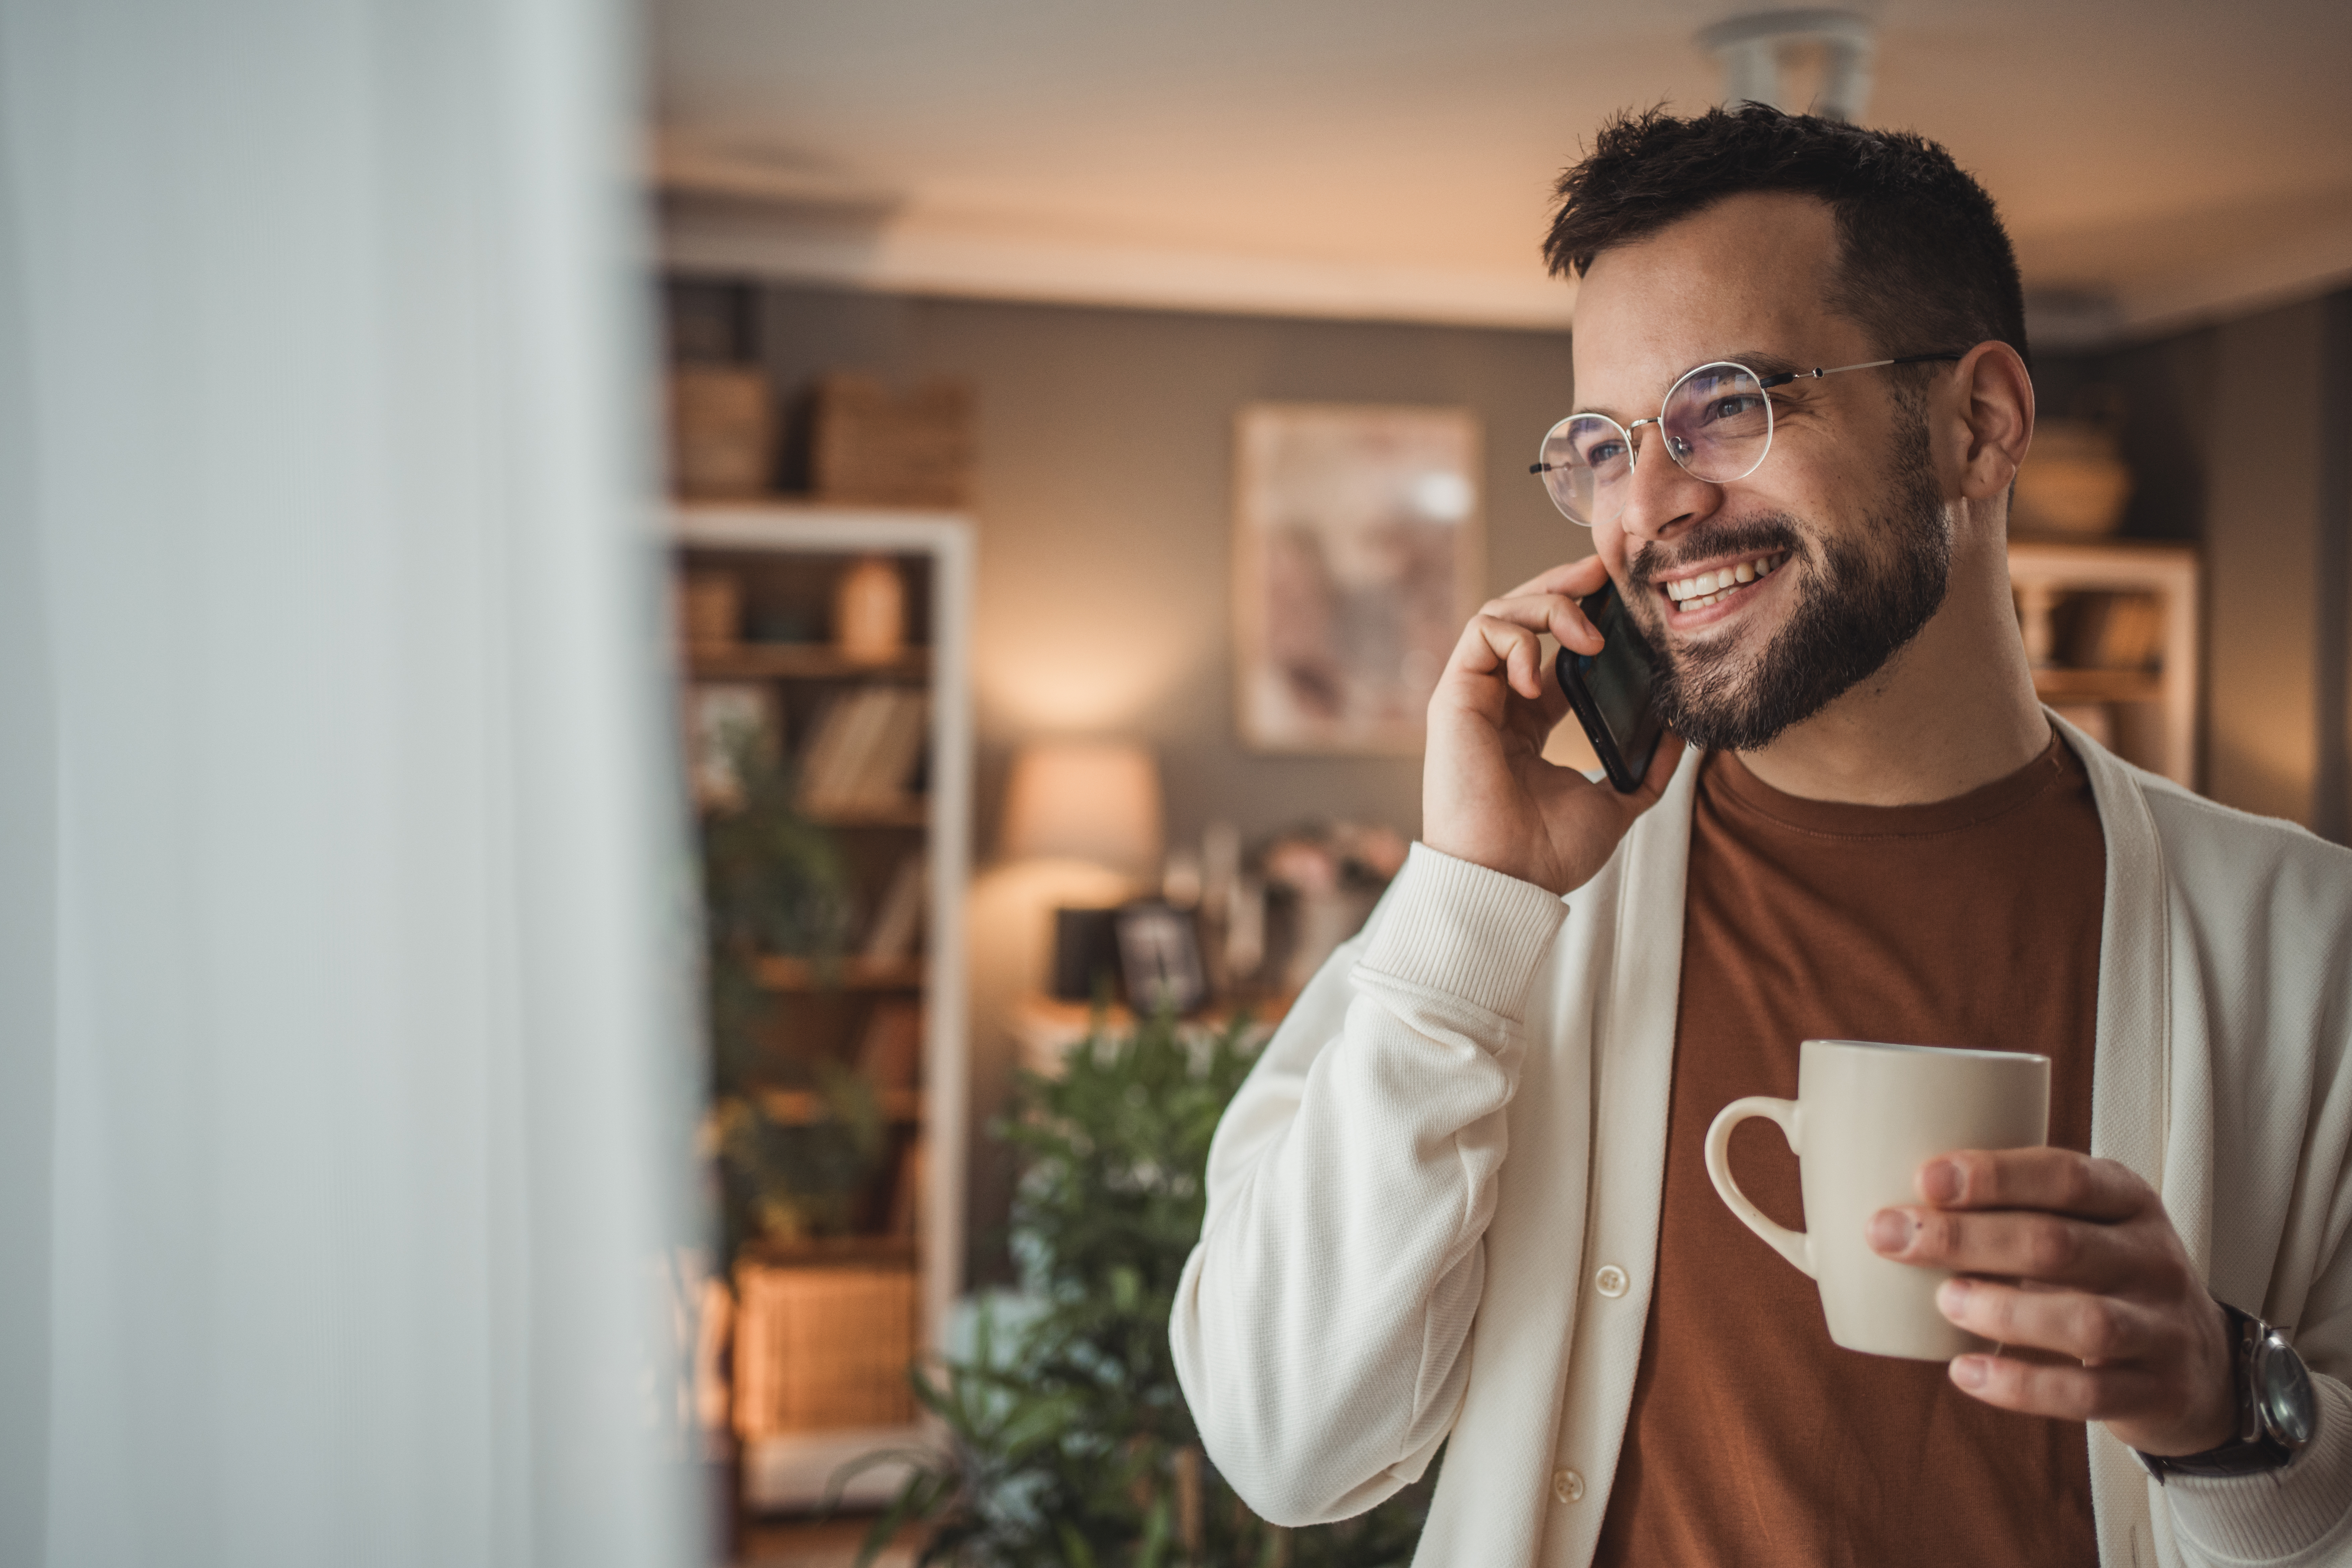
[{"x": 1996, "y": 411}]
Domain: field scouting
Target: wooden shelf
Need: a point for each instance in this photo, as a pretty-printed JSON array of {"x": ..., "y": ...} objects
[
  {"x": 801, "y": 1108},
  {"x": 912, "y": 812},
  {"x": 2153, "y": 717},
  {"x": 848, "y": 975},
  {"x": 2054, "y": 684},
  {"x": 797, "y": 661},
  {"x": 822, "y": 1251}
]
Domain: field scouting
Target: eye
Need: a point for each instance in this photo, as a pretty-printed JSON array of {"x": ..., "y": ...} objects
[
  {"x": 1602, "y": 454},
  {"x": 1732, "y": 406}
]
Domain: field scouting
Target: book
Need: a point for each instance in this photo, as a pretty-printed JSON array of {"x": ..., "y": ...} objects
[
  {"x": 907, "y": 1192},
  {"x": 845, "y": 730},
  {"x": 890, "y": 1053},
  {"x": 863, "y": 748},
  {"x": 898, "y": 744},
  {"x": 899, "y": 914}
]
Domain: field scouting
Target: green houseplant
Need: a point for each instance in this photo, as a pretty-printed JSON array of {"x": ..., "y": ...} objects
[
  {"x": 773, "y": 882},
  {"x": 1068, "y": 1442}
]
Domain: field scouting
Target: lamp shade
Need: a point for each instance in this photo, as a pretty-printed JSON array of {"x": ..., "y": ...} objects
[{"x": 1084, "y": 800}]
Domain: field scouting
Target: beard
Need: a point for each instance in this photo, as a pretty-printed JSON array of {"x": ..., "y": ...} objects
[{"x": 1861, "y": 599}]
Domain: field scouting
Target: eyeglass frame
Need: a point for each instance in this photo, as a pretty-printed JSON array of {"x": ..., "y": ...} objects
[{"x": 1763, "y": 384}]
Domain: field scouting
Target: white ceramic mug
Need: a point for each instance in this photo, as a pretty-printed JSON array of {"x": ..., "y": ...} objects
[{"x": 1866, "y": 1117}]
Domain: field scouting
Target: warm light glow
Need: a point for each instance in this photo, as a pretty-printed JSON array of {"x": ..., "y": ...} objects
[
  {"x": 1097, "y": 801},
  {"x": 1063, "y": 667}
]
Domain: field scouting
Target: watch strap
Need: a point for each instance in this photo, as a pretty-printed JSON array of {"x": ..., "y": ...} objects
[{"x": 2255, "y": 1450}]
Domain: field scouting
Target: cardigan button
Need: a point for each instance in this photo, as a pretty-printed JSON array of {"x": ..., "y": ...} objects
[
  {"x": 1611, "y": 1281},
  {"x": 1567, "y": 1485}
]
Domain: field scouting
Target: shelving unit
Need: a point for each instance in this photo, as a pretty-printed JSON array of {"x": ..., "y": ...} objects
[
  {"x": 800, "y": 661},
  {"x": 2141, "y": 686},
  {"x": 791, "y": 553},
  {"x": 798, "y": 975}
]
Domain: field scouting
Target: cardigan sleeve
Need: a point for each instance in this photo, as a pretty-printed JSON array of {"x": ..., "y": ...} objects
[
  {"x": 2301, "y": 1515},
  {"x": 1320, "y": 1325},
  {"x": 2285, "y": 1144}
]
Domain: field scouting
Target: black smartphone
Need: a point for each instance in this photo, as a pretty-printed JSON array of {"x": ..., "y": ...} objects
[{"x": 1609, "y": 691}]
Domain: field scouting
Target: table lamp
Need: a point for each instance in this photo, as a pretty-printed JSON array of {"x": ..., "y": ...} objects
[{"x": 1096, "y": 801}]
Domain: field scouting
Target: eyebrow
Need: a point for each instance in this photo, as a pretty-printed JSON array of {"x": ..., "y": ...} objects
[{"x": 1761, "y": 361}]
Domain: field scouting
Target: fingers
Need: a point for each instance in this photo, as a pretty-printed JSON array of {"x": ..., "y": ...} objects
[
  {"x": 1575, "y": 578},
  {"x": 1490, "y": 644},
  {"x": 2089, "y": 1269},
  {"x": 1505, "y": 636},
  {"x": 1557, "y": 614},
  {"x": 2159, "y": 1374},
  {"x": 2058, "y": 1179},
  {"x": 2074, "y": 1323},
  {"x": 2062, "y": 1392},
  {"x": 2020, "y": 1245}
]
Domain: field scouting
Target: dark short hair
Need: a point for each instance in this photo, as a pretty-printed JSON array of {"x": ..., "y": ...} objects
[{"x": 1924, "y": 265}]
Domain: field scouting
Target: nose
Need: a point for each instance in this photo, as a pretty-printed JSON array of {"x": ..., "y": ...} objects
[{"x": 1663, "y": 501}]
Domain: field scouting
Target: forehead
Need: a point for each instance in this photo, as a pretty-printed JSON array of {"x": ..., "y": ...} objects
[{"x": 1750, "y": 273}]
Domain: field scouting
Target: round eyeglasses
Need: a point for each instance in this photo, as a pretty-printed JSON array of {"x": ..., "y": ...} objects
[{"x": 1717, "y": 422}]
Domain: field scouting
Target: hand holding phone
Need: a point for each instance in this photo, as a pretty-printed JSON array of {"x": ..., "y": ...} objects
[
  {"x": 1609, "y": 691},
  {"x": 1488, "y": 796}
]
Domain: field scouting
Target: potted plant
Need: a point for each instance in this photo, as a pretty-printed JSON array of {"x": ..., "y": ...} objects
[{"x": 1067, "y": 1441}]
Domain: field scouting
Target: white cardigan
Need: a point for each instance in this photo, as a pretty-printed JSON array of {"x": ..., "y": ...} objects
[{"x": 1464, "y": 1120}]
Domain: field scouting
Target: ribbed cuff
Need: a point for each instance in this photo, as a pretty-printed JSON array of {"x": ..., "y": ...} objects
[
  {"x": 1463, "y": 929},
  {"x": 2271, "y": 1517}
]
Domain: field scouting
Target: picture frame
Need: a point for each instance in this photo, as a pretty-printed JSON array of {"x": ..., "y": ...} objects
[
  {"x": 1358, "y": 554},
  {"x": 1159, "y": 958},
  {"x": 721, "y": 718}
]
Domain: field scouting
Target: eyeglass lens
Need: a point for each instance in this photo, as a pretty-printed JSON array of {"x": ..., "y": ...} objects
[{"x": 1717, "y": 424}]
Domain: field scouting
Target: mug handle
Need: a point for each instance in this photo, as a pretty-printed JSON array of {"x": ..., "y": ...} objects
[{"x": 1789, "y": 1244}]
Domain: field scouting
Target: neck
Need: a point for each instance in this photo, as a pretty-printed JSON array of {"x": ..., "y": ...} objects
[{"x": 1952, "y": 711}]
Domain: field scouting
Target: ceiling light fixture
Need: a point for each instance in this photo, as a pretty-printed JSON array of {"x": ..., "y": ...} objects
[{"x": 1757, "y": 50}]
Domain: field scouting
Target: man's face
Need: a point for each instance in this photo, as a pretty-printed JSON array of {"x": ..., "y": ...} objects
[{"x": 1841, "y": 528}]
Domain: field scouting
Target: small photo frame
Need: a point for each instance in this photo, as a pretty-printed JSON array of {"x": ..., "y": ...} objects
[{"x": 1159, "y": 959}]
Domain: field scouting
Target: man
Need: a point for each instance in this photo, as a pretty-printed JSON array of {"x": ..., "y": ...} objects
[{"x": 1463, "y": 1200}]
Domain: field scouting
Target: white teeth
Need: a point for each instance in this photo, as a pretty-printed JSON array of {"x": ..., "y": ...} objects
[{"x": 1706, "y": 588}]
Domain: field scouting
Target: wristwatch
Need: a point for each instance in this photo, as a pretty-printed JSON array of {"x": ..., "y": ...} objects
[{"x": 2276, "y": 1410}]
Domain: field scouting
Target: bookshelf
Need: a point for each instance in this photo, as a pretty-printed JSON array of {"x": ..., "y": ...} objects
[
  {"x": 824, "y": 1326},
  {"x": 2112, "y": 629}
]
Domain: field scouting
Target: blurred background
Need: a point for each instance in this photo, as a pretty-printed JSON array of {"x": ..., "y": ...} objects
[{"x": 669, "y": 671}]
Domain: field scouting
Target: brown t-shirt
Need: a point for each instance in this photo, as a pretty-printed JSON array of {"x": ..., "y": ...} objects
[{"x": 1754, "y": 1440}]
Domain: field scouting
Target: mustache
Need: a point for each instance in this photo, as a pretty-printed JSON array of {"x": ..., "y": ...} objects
[{"x": 1749, "y": 536}]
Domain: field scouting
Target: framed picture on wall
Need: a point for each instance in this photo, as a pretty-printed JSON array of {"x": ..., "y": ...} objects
[{"x": 1358, "y": 552}]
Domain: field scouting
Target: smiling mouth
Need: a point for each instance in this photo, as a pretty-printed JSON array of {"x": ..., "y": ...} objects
[{"x": 1703, "y": 590}]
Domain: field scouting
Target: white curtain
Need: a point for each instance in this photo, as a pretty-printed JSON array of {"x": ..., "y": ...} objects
[{"x": 342, "y": 1059}]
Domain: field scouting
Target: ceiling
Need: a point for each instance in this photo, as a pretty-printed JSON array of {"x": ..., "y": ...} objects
[{"x": 2157, "y": 161}]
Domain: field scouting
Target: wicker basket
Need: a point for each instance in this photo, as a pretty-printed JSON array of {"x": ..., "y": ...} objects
[
  {"x": 722, "y": 430},
  {"x": 870, "y": 447},
  {"x": 823, "y": 1347}
]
